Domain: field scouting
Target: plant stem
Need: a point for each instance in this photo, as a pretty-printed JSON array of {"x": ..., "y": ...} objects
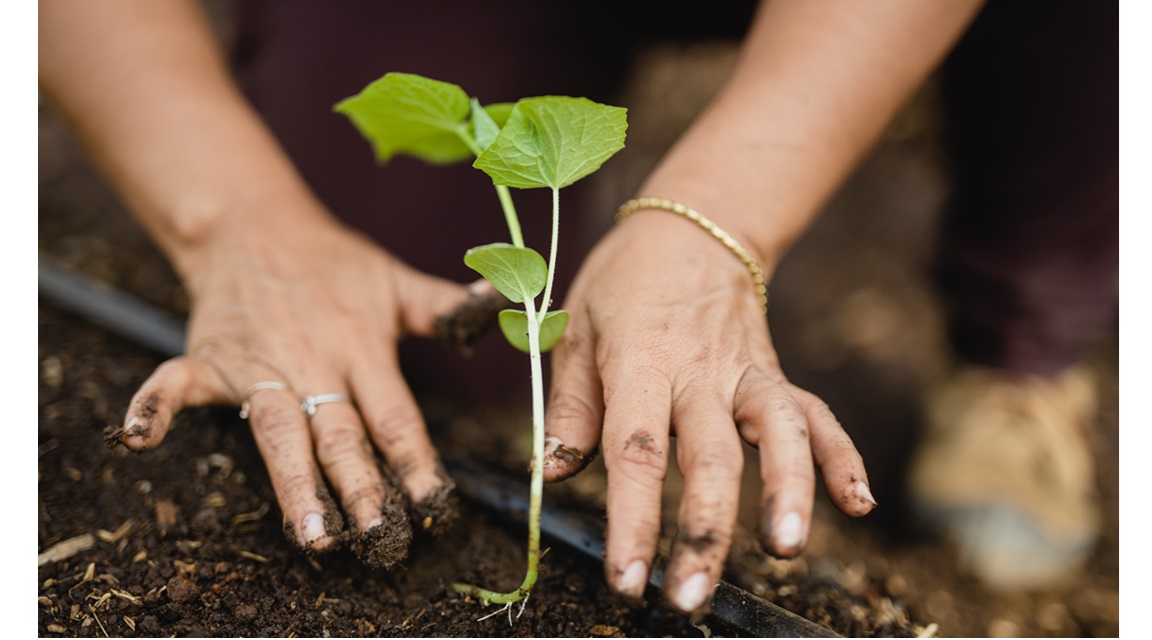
[
  {"x": 544, "y": 304},
  {"x": 511, "y": 219},
  {"x": 501, "y": 192},
  {"x": 537, "y": 485},
  {"x": 537, "y": 373}
]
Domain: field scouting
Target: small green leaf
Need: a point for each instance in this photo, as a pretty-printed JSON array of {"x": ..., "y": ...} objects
[
  {"x": 499, "y": 112},
  {"x": 514, "y": 325},
  {"x": 517, "y": 272},
  {"x": 553, "y": 141},
  {"x": 486, "y": 121},
  {"x": 406, "y": 113}
]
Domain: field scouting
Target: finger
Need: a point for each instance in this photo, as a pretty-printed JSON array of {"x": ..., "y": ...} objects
[
  {"x": 775, "y": 422},
  {"x": 397, "y": 428},
  {"x": 349, "y": 462},
  {"x": 575, "y": 410},
  {"x": 176, "y": 384},
  {"x": 636, "y": 419},
  {"x": 711, "y": 459},
  {"x": 426, "y": 299},
  {"x": 282, "y": 434},
  {"x": 841, "y": 465}
]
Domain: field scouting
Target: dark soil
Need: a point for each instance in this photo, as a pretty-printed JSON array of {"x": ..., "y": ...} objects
[{"x": 187, "y": 540}]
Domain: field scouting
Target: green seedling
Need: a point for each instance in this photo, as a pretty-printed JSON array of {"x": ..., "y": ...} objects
[{"x": 543, "y": 142}]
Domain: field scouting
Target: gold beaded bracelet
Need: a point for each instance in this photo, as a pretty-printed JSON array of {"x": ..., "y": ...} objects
[{"x": 758, "y": 280}]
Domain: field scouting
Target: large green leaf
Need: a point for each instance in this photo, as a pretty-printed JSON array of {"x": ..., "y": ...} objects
[
  {"x": 553, "y": 141},
  {"x": 517, "y": 272},
  {"x": 514, "y": 325},
  {"x": 411, "y": 114}
]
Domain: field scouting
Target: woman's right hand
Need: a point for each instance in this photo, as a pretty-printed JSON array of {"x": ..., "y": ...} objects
[{"x": 310, "y": 308}]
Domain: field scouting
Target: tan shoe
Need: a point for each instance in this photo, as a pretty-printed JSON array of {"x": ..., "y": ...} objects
[{"x": 1005, "y": 470}]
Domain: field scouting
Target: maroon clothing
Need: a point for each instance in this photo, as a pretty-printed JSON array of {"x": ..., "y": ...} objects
[{"x": 1029, "y": 249}]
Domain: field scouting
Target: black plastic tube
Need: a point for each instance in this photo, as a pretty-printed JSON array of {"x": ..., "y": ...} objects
[
  {"x": 732, "y": 607},
  {"x": 110, "y": 308}
]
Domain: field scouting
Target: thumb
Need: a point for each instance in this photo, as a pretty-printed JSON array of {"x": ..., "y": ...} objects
[
  {"x": 176, "y": 384},
  {"x": 453, "y": 313},
  {"x": 575, "y": 407}
]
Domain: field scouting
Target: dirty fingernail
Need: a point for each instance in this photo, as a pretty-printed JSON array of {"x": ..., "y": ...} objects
[
  {"x": 692, "y": 592},
  {"x": 865, "y": 493},
  {"x": 135, "y": 428},
  {"x": 788, "y": 531},
  {"x": 312, "y": 527},
  {"x": 551, "y": 443},
  {"x": 479, "y": 287},
  {"x": 634, "y": 579}
]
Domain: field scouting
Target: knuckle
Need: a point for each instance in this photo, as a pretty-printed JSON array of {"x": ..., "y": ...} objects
[
  {"x": 277, "y": 424},
  {"x": 640, "y": 458},
  {"x": 716, "y": 458},
  {"x": 623, "y": 375},
  {"x": 797, "y": 474},
  {"x": 297, "y": 488},
  {"x": 818, "y": 407},
  {"x": 396, "y": 426},
  {"x": 341, "y": 442},
  {"x": 712, "y": 541},
  {"x": 569, "y": 408},
  {"x": 400, "y": 437}
]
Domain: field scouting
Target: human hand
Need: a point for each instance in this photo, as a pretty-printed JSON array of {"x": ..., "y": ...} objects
[
  {"x": 314, "y": 309},
  {"x": 666, "y": 335}
]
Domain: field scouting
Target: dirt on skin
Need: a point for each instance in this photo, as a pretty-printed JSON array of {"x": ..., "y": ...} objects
[
  {"x": 187, "y": 539},
  {"x": 470, "y": 321}
]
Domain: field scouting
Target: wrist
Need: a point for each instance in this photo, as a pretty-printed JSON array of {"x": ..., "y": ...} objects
[
  {"x": 703, "y": 266},
  {"x": 200, "y": 223},
  {"x": 737, "y": 248}
]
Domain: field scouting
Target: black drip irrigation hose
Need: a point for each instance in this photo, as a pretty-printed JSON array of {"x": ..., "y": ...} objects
[{"x": 732, "y": 607}]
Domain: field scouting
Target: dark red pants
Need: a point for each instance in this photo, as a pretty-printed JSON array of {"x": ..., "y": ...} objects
[{"x": 1028, "y": 257}]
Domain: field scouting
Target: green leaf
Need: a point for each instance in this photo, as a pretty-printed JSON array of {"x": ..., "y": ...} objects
[
  {"x": 553, "y": 141},
  {"x": 411, "y": 114},
  {"x": 517, "y": 272},
  {"x": 499, "y": 112},
  {"x": 514, "y": 325},
  {"x": 486, "y": 121}
]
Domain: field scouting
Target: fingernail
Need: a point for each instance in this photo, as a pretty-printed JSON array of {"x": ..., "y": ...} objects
[
  {"x": 133, "y": 426},
  {"x": 551, "y": 443},
  {"x": 866, "y": 494},
  {"x": 479, "y": 287},
  {"x": 375, "y": 523},
  {"x": 312, "y": 527},
  {"x": 788, "y": 531},
  {"x": 692, "y": 592},
  {"x": 634, "y": 579}
]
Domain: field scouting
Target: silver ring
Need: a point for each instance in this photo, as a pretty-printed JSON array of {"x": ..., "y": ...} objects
[
  {"x": 311, "y": 403},
  {"x": 246, "y": 405}
]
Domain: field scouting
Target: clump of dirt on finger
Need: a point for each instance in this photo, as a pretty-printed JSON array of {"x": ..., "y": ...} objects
[
  {"x": 439, "y": 511},
  {"x": 113, "y": 436},
  {"x": 386, "y": 544},
  {"x": 470, "y": 321}
]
